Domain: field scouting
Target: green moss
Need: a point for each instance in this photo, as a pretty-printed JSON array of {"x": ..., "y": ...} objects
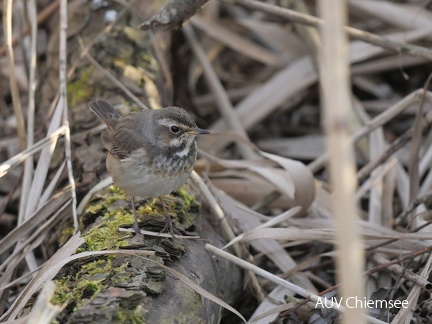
[
  {"x": 106, "y": 199},
  {"x": 184, "y": 205},
  {"x": 115, "y": 190},
  {"x": 187, "y": 198},
  {"x": 63, "y": 291},
  {"x": 97, "y": 266},
  {"x": 66, "y": 234},
  {"x": 106, "y": 236},
  {"x": 87, "y": 282},
  {"x": 121, "y": 316},
  {"x": 109, "y": 210},
  {"x": 84, "y": 283},
  {"x": 129, "y": 316},
  {"x": 74, "y": 294},
  {"x": 81, "y": 89}
]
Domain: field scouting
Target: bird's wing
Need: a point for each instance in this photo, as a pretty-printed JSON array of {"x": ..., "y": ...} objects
[
  {"x": 105, "y": 112},
  {"x": 126, "y": 138},
  {"x": 107, "y": 141}
]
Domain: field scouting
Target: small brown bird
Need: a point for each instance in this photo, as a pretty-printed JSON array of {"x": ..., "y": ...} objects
[{"x": 150, "y": 152}]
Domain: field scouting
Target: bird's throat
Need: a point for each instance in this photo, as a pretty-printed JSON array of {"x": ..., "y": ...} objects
[{"x": 183, "y": 150}]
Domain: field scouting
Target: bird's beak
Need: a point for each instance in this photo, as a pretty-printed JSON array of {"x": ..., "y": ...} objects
[{"x": 198, "y": 131}]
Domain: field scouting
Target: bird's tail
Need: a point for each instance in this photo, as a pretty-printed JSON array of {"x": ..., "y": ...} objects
[{"x": 105, "y": 112}]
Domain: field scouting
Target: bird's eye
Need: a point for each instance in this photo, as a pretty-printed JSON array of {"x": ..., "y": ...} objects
[{"x": 174, "y": 129}]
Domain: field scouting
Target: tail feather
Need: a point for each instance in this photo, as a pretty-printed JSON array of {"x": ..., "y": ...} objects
[{"x": 105, "y": 112}]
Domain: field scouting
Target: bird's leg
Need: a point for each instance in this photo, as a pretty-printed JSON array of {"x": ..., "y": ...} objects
[
  {"x": 135, "y": 225},
  {"x": 169, "y": 228}
]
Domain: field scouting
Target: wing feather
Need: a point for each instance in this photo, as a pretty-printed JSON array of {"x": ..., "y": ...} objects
[{"x": 126, "y": 137}]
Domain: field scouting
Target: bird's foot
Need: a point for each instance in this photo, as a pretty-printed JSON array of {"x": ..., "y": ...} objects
[
  {"x": 136, "y": 228},
  {"x": 135, "y": 224},
  {"x": 169, "y": 228}
]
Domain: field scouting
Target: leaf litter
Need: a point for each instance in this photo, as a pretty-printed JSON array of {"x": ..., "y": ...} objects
[{"x": 275, "y": 211}]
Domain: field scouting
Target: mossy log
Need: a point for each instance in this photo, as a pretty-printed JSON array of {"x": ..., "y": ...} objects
[{"x": 133, "y": 289}]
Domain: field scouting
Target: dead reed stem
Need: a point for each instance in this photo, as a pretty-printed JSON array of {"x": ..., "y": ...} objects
[{"x": 336, "y": 104}]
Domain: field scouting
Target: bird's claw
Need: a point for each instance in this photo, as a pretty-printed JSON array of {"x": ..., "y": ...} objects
[{"x": 169, "y": 228}]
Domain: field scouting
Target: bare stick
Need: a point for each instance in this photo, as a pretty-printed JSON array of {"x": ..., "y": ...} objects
[
  {"x": 334, "y": 73},
  {"x": 6, "y": 166},
  {"x": 63, "y": 100},
  {"x": 277, "y": 280},
  {"x": 28, "y": 166},
  {"x": 354, "y": 33},
  {"x": 399, "y": 270},
  {"x": 111, "y": 77},
  {"x": 173, "y": 15},
  {"x": 16, "y": 103},
  {"x": 225, "y": 107},
  {"x": 46, "y": 13}
]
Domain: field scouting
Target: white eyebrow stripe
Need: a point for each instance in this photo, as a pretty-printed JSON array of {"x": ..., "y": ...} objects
[{"x": 167, "y": 122}]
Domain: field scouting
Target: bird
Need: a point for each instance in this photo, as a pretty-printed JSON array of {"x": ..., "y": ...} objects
[{"x": 151, "y": 152}]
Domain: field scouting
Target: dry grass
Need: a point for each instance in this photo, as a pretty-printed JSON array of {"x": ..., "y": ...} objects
[{"x": 349, "y": 217}]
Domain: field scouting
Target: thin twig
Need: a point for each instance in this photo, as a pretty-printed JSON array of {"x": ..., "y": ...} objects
[
  {"x": 396, "y": 145},
  {"x": 277, "y": 280},
  {"x": 412, "y": 206},
  {"x": 309, "y": 34},
  {"x": 375, "y": 178},
  {"x": 225, "y": 107},
  {"x": 173, "y": 15},
  {"x": 408, "y": 275},
  {"x": 86, "y": 49},
  {"x": 413, "y": 167},
  {"x": 16, "y": 102},
  {"x": 111, "y": 77},
  {"x": 237, "y": 42},
  {"x": 405, "y": 314},
  {"x": 23, "y": 214},
  {"x": 216, "y": 210},
  {"x": 63, "y": 100},
  {"x": 14, "y": 161},
  {"x": 381, "y": 267},
  {"x": 378, "y": 121},
  {"x": 28, "y": 166},
  {"x": 354, "y": 33},
  {"x": 46, "y": 13}
]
